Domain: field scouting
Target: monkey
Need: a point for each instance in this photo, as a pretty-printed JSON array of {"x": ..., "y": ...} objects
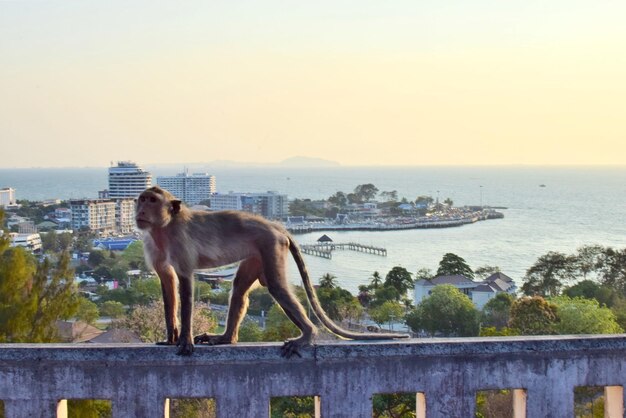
[{"x": 178, "y": 240}]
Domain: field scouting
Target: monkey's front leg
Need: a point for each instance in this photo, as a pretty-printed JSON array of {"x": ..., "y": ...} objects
[
  {"x": 185, "y": 342},
  {"x": 167, "y": 276}
]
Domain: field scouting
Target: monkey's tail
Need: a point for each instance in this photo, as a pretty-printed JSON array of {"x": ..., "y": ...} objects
[{"x": 319, "y": 311}]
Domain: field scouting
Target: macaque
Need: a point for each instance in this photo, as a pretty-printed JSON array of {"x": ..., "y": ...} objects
[{"x": 178, "y": 240}]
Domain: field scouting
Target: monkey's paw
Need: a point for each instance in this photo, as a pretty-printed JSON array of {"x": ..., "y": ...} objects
[
  {"x": 185, "y": 348},
  {"x": 290, "y": 348},
  {"x": 211, "y": 339}
]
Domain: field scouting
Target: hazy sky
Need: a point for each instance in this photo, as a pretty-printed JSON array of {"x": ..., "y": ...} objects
[{"x": 83, "y": 83}]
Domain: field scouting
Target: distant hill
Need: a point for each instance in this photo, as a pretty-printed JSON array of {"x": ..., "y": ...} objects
[{"x": 308, "y": 162}]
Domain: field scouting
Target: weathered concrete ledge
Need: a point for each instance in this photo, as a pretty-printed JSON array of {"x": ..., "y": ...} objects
[{"x": 446, "y": 373}]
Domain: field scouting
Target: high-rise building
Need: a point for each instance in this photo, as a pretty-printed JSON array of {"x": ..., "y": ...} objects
[
  {"x": 127, "y": 179},
  {"x": 270, "y": 205},
  {"x": 192, "y": 189},
  {"x": 7, "y": 196}
]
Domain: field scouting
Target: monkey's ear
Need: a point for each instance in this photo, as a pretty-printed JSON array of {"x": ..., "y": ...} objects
[{"x": 175, "y": 208}]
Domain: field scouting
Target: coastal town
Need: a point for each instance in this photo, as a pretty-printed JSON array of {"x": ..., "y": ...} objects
[{"x": 111, "y": 215}]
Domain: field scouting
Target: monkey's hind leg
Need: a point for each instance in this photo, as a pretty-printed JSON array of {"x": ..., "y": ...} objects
[
  {"x": 279, "y": 288},
  {"x": 247, "y": 274}
]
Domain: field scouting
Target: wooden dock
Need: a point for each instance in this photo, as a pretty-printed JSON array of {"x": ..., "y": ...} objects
[{"x": 325, "y": 250}]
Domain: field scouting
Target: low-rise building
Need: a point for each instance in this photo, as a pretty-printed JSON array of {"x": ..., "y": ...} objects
[
  {"x": 31, "y": 242},
  {"x": 479, "y": 292}
]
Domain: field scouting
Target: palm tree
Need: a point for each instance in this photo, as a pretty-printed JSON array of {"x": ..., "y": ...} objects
[
  {"x": 328, "y": 281},
  {"x": 376, "y": 281}
]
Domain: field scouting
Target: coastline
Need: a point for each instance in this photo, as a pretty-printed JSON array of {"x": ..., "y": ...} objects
[{"x": 379, "y": 225}]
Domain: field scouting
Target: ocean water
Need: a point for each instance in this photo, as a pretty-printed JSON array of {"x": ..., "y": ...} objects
[{"x": 577, "y": 206}]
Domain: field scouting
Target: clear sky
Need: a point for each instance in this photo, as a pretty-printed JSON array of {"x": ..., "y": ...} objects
[{"x": 83, "y": 83}]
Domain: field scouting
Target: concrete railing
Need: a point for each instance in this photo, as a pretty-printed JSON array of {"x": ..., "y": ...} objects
[{"x": 445, "y": 375}]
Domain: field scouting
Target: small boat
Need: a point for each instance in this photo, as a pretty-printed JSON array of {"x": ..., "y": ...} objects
[{"x": 542, "y": 185}]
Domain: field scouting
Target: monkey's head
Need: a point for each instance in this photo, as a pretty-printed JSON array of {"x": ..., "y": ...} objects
[{"x": 155, "y": 208}]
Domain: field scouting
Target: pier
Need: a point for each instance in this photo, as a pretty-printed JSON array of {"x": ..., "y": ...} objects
[{"x": 325, "y": 249}]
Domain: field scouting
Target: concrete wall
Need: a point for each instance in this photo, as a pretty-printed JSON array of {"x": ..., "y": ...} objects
[{"x": 445, "y": 373}]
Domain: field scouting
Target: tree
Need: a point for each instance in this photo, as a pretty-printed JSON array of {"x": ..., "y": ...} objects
[
  {"x": 584, "y": 316},
  {"x": 278, "y": 327},
  {"x": 396, "y": 405},
  {"x": 33, "y": 296},
  {"x": 133, "y": 256},
  {"x": 96, "y": 258},
  {"x": 446, "y": 311},
  {"x": 87, "y": 311},
  {"x": 533, "y": 316},
  {"x": 400, "y": 279},
  {"x": 387, "y": 312},
  {"x": 112, "y": 309},
  {"x": 546, "y": 277},
  {"x": 451, "y": 264},
  {"x": 486, "y": 271},
  {"x": 423, "y": 274},
  {"x": 339, "y": 199},
  {"x": 366, "y": 192},
  {"x": 448, "y": 202},
  {"x": 391, "y": 196},
  {"x": 589, "y": 289},
  {"x": 496, "y": 312},
  {"x": 328, "y": 281},
  {"x": 376, "y": 281},
  {"x": 613, "y": 270},
  {"x": 589, "y": 259},
  {"x": 148, "y": 321}
]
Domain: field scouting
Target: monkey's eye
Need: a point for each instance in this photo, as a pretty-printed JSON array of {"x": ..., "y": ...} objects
[
  {"x": 152, "y": 199},
  {"x": 142, "y": 199}
]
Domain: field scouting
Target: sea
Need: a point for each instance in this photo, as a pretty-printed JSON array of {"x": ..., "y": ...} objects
[{"x": 545, "y": 209}]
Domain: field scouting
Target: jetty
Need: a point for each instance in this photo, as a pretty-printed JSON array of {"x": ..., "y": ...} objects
[{"x": 325, "y": 249}]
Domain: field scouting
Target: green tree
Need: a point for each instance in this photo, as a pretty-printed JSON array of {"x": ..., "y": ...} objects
[
  {"x": 328, "y": 281},
  {"x": 250, "y": 331},
  {"x": 365, "y": 192},
  {"x": 89, "y": 408},
  {"x": 33, "y": 296},
  {"x": 485, "y": 271},
  {"x": 112, "y": 309},
  {"x": 148, "y": 321},
  {"x": 547, "y": 276},
  {"x": 451, "y": 264},
  {"x": 613, "y": 270},
  {"x": 589, "y": 289},
  {"x": 376, "y": 281},
  {"x": 423, "y": 274},
  {"x": 446, "y": 311},
  {"x": 339, "y": 199},
  {"x": 400, "y": 279},
  {"x": 533, "y": 316},
  {"x": 588, "y": 259},
  {"x": 134, "y": 257},
  {"x": 387, "y": 312},
  {"x": 87, "y": 311},
  {"x": 584, "y": 316},
  {"x": 96, "y": 258},
  {"x": 496, "y": 312},
  {"x": 394, "y": 405},
  {"x": 278, "y": 327}
]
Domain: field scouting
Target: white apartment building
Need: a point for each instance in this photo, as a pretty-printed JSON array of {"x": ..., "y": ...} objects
[
  {"x": 125, "y": 215},
  {"x": 104, "y": 215},
  {"x": 7, "y": 197},
  {"x": 127, "y": 179},
  {"x": 191, "y": 189},
  {"x": 31, "y": 242},
  {"x": 93, "y": 214},
  {"x": 270, "y": 205}
]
